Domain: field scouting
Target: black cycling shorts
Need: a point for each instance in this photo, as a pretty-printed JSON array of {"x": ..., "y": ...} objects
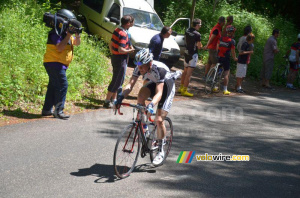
[
  {"x": 225, "y": 63},
  {"x": 166, "y": 100}
]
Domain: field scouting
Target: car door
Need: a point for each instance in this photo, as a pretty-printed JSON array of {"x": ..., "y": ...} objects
[
  {"x": 180, "y": 26},
  {"x": 111, "y": 21},
  {"x": 92, "y": 12}
]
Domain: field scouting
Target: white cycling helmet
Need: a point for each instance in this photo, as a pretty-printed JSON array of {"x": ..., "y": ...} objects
[{"x": 143, "y": 57}]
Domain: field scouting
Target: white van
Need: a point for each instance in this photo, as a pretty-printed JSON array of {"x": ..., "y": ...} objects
[{"x": 103, "y": 16}]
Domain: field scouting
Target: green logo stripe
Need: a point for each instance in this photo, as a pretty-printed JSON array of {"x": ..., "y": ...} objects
[{"x": 179, "y": 157}]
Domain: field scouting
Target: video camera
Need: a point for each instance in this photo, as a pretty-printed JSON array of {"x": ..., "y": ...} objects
[{"x": 59, "y": 23}]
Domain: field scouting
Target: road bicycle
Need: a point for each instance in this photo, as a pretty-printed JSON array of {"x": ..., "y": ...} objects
[
  {"x": 134, "y": 140},
  {"x": 283, "y": 71},
  {"x": 213, "y": 79}
]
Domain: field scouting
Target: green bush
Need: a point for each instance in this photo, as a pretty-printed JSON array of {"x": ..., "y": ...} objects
[{"x": 23, "y": 79}]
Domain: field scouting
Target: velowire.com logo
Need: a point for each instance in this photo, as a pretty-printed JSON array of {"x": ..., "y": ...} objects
[{"x": 187, "y": 157}]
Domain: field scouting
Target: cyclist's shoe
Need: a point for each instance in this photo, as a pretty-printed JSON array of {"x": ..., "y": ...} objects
[
  {"x": 226, "y": 92},
  {"x": 180, "y": 89},
  {"x": 215, "y": 89},
  {"x": 184, "y": 92},
  {"x": 108, "y": 105},
  {"x": 291, "y": 87},
  {"x": 159, "y": 158}
]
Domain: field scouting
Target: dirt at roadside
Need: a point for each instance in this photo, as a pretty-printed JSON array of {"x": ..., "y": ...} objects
[{"x": 196, "y": 87}]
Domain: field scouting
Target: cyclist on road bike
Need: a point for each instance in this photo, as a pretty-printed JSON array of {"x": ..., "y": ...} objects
[
  {"x": 161, "y": 87},
  {"x": 294, "y": 59}
]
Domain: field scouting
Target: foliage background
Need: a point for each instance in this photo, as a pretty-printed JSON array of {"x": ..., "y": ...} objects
[{"x": 23, "y": 79}]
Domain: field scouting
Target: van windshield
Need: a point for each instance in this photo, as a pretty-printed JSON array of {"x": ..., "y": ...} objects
[{"x": 144, "y": 19}]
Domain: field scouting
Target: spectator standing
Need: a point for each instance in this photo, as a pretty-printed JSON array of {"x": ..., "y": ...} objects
[
  {"x": 268, "y": 59},
  {"x": 242, "y": 39},
  {"x": 226, "y": 48},
  {"x": 214, "y": 37},
  {"x": 58, "y": 56},
  {"x": 193, "y": 43},
  {"x": 229, "y": 21},
  {"x": 120, "y": 48},
  {"x": 294, "y": 59},
  {"x": 243, "y": 61},
  {"x": 156, "y": 42}
]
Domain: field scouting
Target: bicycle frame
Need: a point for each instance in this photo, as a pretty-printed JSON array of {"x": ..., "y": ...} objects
[{"x": 138, "y": 124}]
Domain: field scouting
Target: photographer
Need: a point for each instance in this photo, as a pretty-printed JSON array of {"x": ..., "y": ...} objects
[{"x": 58, "y": 56}]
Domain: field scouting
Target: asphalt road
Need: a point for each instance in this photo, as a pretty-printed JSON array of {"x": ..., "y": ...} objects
[{"x": 56, "y": 158}]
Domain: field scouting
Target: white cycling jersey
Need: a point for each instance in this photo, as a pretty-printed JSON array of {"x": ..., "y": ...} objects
[{"x": 158, "y": 73}]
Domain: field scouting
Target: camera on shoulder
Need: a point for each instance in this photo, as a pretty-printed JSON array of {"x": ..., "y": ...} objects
[{"x": 61, "y": 24}]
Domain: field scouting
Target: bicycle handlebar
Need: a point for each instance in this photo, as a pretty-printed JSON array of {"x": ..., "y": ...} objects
[{"x": 139, "y": 107}]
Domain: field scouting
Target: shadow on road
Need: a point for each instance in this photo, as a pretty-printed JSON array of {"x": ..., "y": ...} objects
[
  {"x": 104, "y": 172},
  {"x": 18, "y": 113}
]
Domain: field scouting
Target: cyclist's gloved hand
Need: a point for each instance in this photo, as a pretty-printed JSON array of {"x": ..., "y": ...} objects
[{"x": 150, "y": 108}]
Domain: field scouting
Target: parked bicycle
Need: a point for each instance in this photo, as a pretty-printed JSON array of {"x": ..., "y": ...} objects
[
  {"x": 134, "y": 140},
  {"x": 283, "y": 71},
  {"x": 213, "y": 79}
]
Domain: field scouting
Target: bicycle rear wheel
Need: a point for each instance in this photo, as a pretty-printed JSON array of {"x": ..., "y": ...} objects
[
  {"x": 126, "y": 151},
  {"x": 210, "y": 81},
  {"x": 166, "y": 144}
]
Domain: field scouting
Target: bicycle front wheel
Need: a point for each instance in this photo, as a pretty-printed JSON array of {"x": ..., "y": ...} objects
[
  {"x": 210, "y": 81},
  {"x": 126, "y": 151},
  {"x": 167, "y": 142}
]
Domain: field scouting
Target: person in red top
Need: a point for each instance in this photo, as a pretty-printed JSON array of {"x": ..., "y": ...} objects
[
  {"x": 226, "y": 47},
  {"x": 120, "y": 48},
  {"x": 214, "y": 37}
]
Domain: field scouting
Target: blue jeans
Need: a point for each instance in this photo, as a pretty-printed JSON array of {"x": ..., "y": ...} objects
[{"x": 57, "y": 89}]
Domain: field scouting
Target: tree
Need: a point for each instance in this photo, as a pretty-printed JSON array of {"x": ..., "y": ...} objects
[{"x": 193, "y": 11}]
